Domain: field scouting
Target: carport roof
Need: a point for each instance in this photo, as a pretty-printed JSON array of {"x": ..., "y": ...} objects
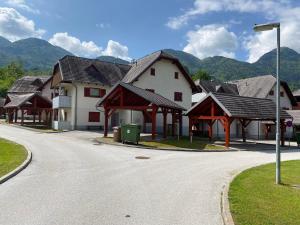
[
  {"x": 147, "y": 95},
  {"x": 243, "y": 107}
]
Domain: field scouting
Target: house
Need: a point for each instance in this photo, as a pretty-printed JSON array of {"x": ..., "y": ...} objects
[
  {"x": 79, "y": 84},
  {"x": 29, "y": 96},
  {"x": 297, "y": 97},
  {"x": 255, "y": 87}
]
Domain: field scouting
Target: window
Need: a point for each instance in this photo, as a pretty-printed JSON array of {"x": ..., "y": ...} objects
[
  {"x": 152, "y": 71},
  {"x": 94, "y": 92},
  {"x": 281, "y": 94},
  {"x": 151, "y": 90},
  {"x": 176, "y": 75},
  {"x": 271, "y": 93},
  {"x": 178, "y": 96},
  {"x": 94, "y": 116}
]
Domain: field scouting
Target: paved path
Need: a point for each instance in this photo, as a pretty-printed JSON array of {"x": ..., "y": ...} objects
[{"x": 73, "y": 181}]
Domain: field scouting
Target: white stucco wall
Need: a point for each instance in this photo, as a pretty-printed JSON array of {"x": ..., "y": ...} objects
[{"x": 165, "y": 84}]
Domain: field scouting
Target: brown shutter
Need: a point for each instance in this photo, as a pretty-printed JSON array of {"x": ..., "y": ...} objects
[
  {"x": 86, "y": 92},
  {"x": 102, "y": 92}
]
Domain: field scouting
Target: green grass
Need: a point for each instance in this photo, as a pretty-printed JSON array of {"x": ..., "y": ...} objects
[
  {"x": 184, "y": 142},
  {"x": 11, "y": 156},
  {"x": 256, "y": 200}
]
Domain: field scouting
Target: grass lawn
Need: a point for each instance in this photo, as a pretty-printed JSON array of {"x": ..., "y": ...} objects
[
  {"x": 11, "y": 156},
  {"x": 184, "y": 142},
  {"x": 255, "y": 199}
]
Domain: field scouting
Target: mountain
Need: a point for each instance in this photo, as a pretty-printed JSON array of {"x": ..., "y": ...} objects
[
  {"x": 223, "y": 68},
  {"x": 33, "y": 53},
  {"x": 112, "y": 59}
]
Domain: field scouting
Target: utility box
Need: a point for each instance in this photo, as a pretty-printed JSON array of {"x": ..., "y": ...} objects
[{"x": 131, "y": 133}]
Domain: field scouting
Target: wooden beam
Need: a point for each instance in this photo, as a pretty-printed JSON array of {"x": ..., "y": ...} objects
[
  {"x": 227, "y": 132},
  {"x": 138, "y": 108},
  {"x": 208, "y": 117},
  {"x": 282, "y": 132},
  {"x": 22, "y": 117},
  {"x": 180, "y": 123}
]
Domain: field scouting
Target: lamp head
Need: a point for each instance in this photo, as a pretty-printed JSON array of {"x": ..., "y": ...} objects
[{"x": 265, "y": 27}]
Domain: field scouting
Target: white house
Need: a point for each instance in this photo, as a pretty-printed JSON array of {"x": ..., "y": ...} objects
[
  {"x": 80, "y": 83},
  {"x": 258, "y": 87}
]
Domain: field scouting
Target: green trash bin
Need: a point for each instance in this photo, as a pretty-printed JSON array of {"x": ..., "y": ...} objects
[{"x": 131, "y": 133}]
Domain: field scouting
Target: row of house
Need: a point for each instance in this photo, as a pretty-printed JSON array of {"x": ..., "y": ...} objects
[{"x": 154, "y": 91}]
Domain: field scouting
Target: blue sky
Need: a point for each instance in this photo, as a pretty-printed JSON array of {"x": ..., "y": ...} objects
[{"x": 133, "y": 28}]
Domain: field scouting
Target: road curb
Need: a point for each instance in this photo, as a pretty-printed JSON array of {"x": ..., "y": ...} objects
[
  {"x": 225, "y": 207},
  {"x": 18, "y": 169},
  {"x": 164, "y": 149}
]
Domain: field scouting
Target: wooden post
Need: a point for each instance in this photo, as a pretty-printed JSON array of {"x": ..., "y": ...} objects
[
  {"x": 210, "y": 129},
  {"x": 144, "y": 121},
  {"x": 16, "y": 115},
  {"x": 165, "y": 114},
  {"x": 40, "y": 116},
  {"x": 22, "y": 117},
  {"x": 190, "y": 126},
  {"x": 106, "y": 111},
  {"x": 173, "y": 123},
  {"x": 180, "y": 123},
  {"x": 153, "y": 115},
  {"x": 34, "y": 117},
  {"x": 243, "y": 129},
  {"x": 227, "y": 132}
]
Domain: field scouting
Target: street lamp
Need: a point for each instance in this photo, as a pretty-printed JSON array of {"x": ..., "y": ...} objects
[{"x": 266, "y": 27}]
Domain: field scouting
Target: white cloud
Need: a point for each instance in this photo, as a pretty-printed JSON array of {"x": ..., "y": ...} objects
[
  {"x": 117, "y": 50},
  {"x": 74, "y": 45},
  {"x": 21, "y": 4},
  {"x": 15, "y": 26},
  {"x": 260, "y": 43},
  {"x": 89, "y": 48},
  {"x": 211, "y": 40},
  {"x": 269, "y": 7}
]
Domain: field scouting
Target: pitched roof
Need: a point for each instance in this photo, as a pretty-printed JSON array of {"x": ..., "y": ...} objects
[
  {"x": 258, "y": 87},
  {"x": 91, "y": 70},
  {"x": 296, "y": 116},
  {"x": 2, "y": 102},
  {"x": 244, "y": 107},
  {"x": 147, "y": 95},
  {"x": 17, "y": 100},
  {"x": 28, "y": 84},
  {"x": 142, "y": 64},
  {"x": 217, "y": 86}
]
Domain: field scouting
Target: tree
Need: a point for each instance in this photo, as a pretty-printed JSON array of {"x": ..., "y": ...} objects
[
  {"x": 8, "y": 75},
  {"x": 202, "y": 75}
]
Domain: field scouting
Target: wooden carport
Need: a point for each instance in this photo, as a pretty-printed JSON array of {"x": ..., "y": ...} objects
[
  {"x": 125, "y": 96},
  {"x": 32, "y": 104},
  {"x": 226, "y": 108}
]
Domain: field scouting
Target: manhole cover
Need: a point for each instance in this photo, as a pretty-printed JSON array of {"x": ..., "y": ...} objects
[
  {"x": 142, "y": 157},
  {"x": 127, "y": 216}
]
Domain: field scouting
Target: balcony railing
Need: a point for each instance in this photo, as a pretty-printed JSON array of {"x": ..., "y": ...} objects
[{"x": 61, "y": 101}]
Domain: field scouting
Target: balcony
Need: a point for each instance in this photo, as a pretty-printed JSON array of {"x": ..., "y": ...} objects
[
  {"x": 61, "y": 125},
  {"x": 61, "y": 101}
]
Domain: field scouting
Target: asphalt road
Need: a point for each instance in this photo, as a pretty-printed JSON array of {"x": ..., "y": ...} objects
[{"x": 71, "y": 181}]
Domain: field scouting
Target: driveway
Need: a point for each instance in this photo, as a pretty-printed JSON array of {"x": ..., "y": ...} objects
[{"x": 72, "y": 180}]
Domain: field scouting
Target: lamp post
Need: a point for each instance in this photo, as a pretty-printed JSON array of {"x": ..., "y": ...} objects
[{"x": 266, "y": 27}]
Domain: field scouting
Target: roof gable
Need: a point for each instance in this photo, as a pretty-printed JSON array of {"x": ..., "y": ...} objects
[
  {"x": 28, "y": 84},
  {"x": 139, "y": 67}
]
